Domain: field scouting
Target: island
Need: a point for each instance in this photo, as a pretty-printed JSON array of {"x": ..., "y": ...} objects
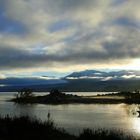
[{"x": 57, "y": 97}]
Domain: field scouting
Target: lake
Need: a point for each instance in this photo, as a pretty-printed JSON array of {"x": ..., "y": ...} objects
[{"x": 75, "y": 117}]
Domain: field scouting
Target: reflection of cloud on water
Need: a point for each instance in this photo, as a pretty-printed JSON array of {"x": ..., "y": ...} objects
[
  {"x": 136, "y": 125},
  {"x": 25, "y": 109},
  {"x": 133, "y": 120},
  {"x": 132, "y": 110}
]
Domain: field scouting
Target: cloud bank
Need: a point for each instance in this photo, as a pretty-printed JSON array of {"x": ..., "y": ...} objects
[{"x": 65, "y": 35}]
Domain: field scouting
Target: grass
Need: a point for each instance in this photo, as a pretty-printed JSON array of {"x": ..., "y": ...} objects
[
  {"x": 103, "y": 134},
  {"x": 25, "y": 128}
]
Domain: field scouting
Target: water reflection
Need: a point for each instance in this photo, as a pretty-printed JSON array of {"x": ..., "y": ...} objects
[
  {"x": 133, "y": 110},
  {"x": 136, "y": 125},
  {"x": 25, "y": 109},
  {"x": 75, "y": 117}
]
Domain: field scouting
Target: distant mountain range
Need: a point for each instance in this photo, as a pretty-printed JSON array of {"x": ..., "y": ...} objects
[
  {"x": 88, "y": 80},
  {"x": 104, "y": 76}
]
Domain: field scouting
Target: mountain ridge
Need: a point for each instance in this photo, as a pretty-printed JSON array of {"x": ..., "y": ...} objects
[
  {"x": 102, "y": 75},
  {"x": 88, "y": 80}
]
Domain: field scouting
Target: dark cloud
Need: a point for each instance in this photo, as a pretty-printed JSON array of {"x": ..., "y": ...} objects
[{"x": 70, "y": 33}]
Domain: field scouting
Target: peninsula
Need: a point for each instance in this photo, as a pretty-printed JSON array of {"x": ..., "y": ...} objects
[{"x": 57, "y": 97}]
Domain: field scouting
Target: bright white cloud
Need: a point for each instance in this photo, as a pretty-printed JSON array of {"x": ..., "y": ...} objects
[
  {"x": 128, "y": 76},
  {"x": 2, "y": 76}
]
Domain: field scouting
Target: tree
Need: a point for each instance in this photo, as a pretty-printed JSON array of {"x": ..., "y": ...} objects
[{"x": 25, "y": 93}]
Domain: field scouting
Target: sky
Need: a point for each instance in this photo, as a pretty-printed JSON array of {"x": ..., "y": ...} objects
[{"x": 57, "y": 37}]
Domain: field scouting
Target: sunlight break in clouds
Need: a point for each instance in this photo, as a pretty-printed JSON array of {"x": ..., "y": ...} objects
[{"x": 69, "y": 35}]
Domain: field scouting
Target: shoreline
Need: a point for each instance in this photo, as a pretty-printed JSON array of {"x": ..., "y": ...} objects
[
  {"x": 57, "y": 97},
  {"x": 83, "y": 100}
]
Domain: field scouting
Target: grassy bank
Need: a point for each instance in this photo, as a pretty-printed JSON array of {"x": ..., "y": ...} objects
[{"x": 25, "y": 128}]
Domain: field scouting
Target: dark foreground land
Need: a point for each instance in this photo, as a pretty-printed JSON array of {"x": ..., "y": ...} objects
[
  {"x": 57, "y": 97},
  {"x": 25, "y": 128}
]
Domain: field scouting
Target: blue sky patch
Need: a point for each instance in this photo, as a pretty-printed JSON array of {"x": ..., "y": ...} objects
[
  {"x": 10, "y": 26},
  {"x": 126, "y": 22},
  {"x": 60, "y": 25}
]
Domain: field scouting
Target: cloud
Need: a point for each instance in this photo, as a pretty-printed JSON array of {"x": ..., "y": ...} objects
[
  {"x": 129, "y": 76},
  {"x": 63, "y": 35},
  {"x": 2, "y": 76}
]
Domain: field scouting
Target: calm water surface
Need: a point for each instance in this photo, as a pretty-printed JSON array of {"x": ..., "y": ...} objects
[{"x": 75, "y": 117}]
